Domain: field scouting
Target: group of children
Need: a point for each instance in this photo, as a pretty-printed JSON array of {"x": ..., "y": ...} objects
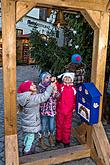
[{"x": 52, "y": 107}]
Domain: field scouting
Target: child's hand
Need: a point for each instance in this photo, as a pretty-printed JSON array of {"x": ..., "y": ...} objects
[
  {"x": 55, "y": 88},
  {"x": 53, "y": 79},
  {"x": 74, "y": 110},
  {"x": 53, "y": 84}
]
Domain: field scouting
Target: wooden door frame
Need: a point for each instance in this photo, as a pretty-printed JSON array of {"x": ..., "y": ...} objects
[{"x": 97, "y": 15}]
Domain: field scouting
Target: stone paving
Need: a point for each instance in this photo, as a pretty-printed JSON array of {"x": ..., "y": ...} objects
[{"x": 26, "y": 73}]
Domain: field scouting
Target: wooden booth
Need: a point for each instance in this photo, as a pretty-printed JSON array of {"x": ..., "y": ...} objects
[
  {"x": 22, "y": 48},
  {"x": 93, "y": 140}
]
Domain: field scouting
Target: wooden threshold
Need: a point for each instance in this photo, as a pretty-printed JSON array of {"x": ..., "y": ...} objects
[{"x": 56, "y": 156}]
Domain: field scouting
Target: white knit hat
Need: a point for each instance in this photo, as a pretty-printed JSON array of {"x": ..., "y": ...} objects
[{"x": 68, "y": 74}]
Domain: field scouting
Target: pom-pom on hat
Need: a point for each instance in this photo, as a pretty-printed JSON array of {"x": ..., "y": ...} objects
[
  {"x": 25, "y": 86},
  {"x": 43, "y": 75},
  {"x": 76, "y": 58}
]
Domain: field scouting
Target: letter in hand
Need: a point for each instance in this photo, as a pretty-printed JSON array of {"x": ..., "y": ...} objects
[{"x": 53, "y": 79}]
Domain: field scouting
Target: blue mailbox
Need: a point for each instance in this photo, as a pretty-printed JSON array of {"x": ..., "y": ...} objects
[{"x": 88, "y": 102}]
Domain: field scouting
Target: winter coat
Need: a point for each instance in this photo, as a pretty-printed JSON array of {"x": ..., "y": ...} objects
[
  {"x": 67, "y": 100},
  {"x": 30, "y": 116},
  {"x": 49, "y": 107},
  {"x": 65, "y": 106}
]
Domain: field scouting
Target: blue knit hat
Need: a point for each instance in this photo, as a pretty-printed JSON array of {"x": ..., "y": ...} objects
[
  {"x": 44, "y": 74},
  {"x": 76, "y": 59}
]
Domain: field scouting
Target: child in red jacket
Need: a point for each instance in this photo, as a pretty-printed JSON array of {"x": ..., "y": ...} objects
[{"x": 65, "y": 108}]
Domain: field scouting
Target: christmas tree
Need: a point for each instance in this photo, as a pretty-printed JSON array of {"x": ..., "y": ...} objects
[{"x": 78, "y": 39}]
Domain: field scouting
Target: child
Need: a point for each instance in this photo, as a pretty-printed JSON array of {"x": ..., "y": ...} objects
[
  {"x": 28, "y": 98},
  {"x": 47, "y": 111},
  {"x": 65, "y": 108},
  {"x": 76, "y": 66}
]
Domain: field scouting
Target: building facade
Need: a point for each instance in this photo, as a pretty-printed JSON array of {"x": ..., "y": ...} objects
[{"x": 37, "y": 17}]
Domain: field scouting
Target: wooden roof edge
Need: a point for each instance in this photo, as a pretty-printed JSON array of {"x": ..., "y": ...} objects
[
  {"x": 102, "y": 5},
  {"x": 108, "y": 7}
]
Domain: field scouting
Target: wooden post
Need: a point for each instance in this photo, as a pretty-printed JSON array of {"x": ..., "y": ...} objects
[
  {"x": 9, "y": 80},
  {"x": 101, "y": 144},
  {"x": 99, "y": 21},
  {"x": 99, "y": 55},
  {"x": 10, "y": 14},
  {"x": 23, "y": 8}
]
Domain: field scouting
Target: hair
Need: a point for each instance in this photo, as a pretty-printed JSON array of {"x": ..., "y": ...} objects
[{"x": 19, "y": 108}]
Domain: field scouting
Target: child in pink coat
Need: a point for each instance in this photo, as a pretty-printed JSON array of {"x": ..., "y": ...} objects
[
  {"x": 47, "y": 111},
  {"x": 65, "y": 107}
]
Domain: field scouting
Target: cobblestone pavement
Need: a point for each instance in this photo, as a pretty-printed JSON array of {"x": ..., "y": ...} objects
[{"x": 25, "y": 73}]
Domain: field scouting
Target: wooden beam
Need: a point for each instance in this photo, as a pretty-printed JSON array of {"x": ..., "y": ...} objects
[
  {"x": 89, "y": 137},
  {"x": 80, "y": 133},
  {"x": 23, "y": 8},
  {"x": 56, "y": 156},
  {"x": 99, "y": 55},
  {"x": 95, "y": 157},
  {"x": 9, "y": 80},
  {"x": 91, "y": 143},
  {"x": 98, "y": 5},
  {"x": 101, "y": 143},
  {"x": 11, "y": 150},
  {"x": 108, "y": 7},
  {"x": 92, "y": 17},
  {"x": 9, "y": 65},
  {"x": 83, "y": 134}
]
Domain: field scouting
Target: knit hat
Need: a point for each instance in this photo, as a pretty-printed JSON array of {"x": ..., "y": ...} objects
[
  {"x": 68, "y": 74},
  {"x": 25, "y": 86},
  {"x": 76, "y": 58},
  {"x": 44, "y": 74}
]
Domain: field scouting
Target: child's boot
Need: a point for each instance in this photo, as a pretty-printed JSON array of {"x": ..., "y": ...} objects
[
  {"x": 58, "y": 144},
  {"x": 42, "y": 143},
  {"x": 28, "y": 153},
  {"x": 66, "y": 145},
  {"x": 51, "y": 140}
]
